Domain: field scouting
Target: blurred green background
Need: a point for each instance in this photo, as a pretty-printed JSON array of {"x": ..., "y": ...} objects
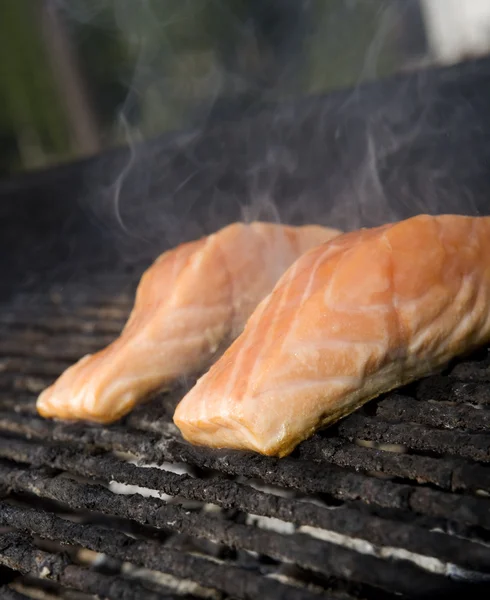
[{"x": 79, "y": 76}]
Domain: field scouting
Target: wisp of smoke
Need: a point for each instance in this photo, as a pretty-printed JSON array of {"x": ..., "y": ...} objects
[{"x": 355, "y": 158}]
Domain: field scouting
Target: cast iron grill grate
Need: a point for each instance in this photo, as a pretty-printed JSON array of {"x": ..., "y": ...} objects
[{"x": 392, "y": 501}]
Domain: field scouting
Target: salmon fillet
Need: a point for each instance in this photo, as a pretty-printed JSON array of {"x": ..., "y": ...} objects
[
  {"x": 358, "y": 316},
  {"x": 193, "y": 301}
]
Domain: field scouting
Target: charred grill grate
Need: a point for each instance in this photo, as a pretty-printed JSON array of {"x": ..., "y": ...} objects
[{"x": 394, "y": 500}]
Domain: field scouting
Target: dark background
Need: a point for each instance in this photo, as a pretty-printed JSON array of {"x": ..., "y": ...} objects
[
  {"x": 127, "y": 127},
  {"x": 78, "y": 76}
]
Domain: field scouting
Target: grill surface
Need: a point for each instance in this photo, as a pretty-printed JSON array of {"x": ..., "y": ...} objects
[{"x": 394, "y": 500}]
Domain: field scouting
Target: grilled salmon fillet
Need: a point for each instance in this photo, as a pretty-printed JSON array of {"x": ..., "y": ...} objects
[
  {"x": 358, "y": 316},
  {"x": 190, "y": 303}
]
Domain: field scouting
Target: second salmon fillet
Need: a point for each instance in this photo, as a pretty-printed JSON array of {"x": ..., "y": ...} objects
[
  {"x": 358, "y": 316},
  {"x": 191, "y": 303}
]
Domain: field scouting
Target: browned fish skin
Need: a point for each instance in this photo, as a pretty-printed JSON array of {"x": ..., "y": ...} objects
[
  {"x": 191, "y": 301},
  {"x": 351, "y": 319}
]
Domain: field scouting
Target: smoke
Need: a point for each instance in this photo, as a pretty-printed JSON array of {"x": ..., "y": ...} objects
[{"x": 219, "y": 124}]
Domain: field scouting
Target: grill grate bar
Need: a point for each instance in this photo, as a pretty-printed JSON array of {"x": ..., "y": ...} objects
[
  {"x": 307, "y": 552},
  {"x": 17, "y": 367},
  {"x": 74, "y": 293},
  {"x": 232, "y": 580},
  {"x": 46, "y": 589},
  {"x": 65, "y": 320},
  {"x": 302, "y": 476},
  {"x": 16, "y": 402},
  {"x": 7, "y": 593},
  {"x": 449, "y": 474},
  {"x": 20, "y": 554},
  {"x": 110, "y": 586},
  {"x": 229, "y": 494},
  {"x": 417, "y": 437},
  {"x": 22, "y": 386},
  {"x": 401, "y": 408},
  {"x": 472, "y": 371},
  {"x": 60, "y": 301},
  {"x": 31, "y": 336},
  {"x": 57, "y": 324},
  {"x": 73, "y": 347},
  {"x": 445, "y": 389}
]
